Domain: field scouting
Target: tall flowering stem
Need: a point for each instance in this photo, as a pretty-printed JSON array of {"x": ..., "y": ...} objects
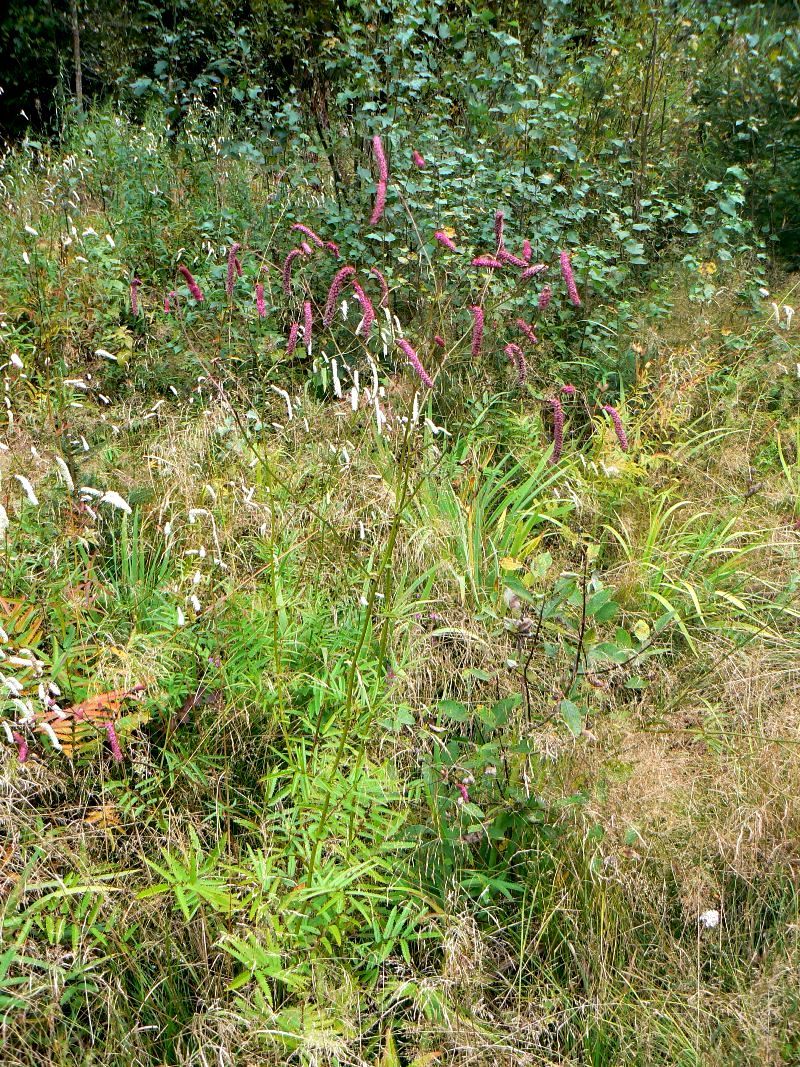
[
  {"x": 569, "y": 279},
  {"x": 135, "y": 283},
  {"x": 317, "y": 240},
  {"x": 291, "y": 340},
  {"x": 194, "y": 288},
  {"x": 287, "y": 269},
  {"x": 477, "y": 330},
  {"x": 443, "y": 239},
  {"x": 113, "y": 742},
  {"x": 414, "y": 360},
  {"x": 619, "y": 429},
  {"x": 517, "y": 357},
  {"x": 308, "y": 323},
  {"x": 234, "y": 268},
  {"x": 380, "y": 203},
  {"x": 384, "y": 300},
  {"x": 261, "y": 307},
  {"x": 558, "y": 429},
  {"x": 337, "y": 285},
  {"x": 366, "y": 307},
  {"x": 528, "y": 331},
  {"x": 383, "y": 179}
]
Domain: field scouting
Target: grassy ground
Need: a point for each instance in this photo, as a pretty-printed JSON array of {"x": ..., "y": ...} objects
[{"x": 432, "y": 750}]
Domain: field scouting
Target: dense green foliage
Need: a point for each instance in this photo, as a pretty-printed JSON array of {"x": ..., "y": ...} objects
[{"x": 351, "y": 719}]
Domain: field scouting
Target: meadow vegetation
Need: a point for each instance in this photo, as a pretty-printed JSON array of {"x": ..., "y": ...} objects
[{"x": 385, "y": 681}]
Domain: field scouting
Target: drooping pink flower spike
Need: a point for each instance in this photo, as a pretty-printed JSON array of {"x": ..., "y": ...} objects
[
  {"x": 135, "y": 283},
  {"x": 384, "y": 300},
  {"x": 261, "y": 307},
  {"x": 291, "y": 340},
  {"x": 113, "y": 742},
  {"x": 234, "y": 268},
  {"x": 517, "y": 357},
  {"x": 194, "y": 288},
  {"x": 569, "y": 279},
  {"x": 380, "y": 203},
  {"x": 545, "y": 297},
  {"x": 558, "y": 429},
  {"x": 499, "y": 223},
  {"x": 337, "y": 285},
  {"x": 619, "y": 429},
  {"x": 308, "y": 324},
  {"x": 305, "y": 248},
  {"x": 418, "y": 159},
  {"x": 380, "y": 158},
  {"x": 367, "y": 309},
  {"x": 477, "y": 330},
  {"x": 443, "y": 239},
  {"x": 333, "y": 248},
  {"x": 509, "y": 257},
  {"x": 531, "y": 272},
  {"x": 526, "y": 250},
  {"x": 286, "y": 272},
  {"x": 414, "y": 360},
  {"x": 317, "y": 240},
  {"x": 22, "y": 746},
  {"x": 489, "y": 262},
  {"x": 528, "y": 331}
]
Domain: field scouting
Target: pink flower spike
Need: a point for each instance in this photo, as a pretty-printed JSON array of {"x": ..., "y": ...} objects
[
  {"x": 558, "y": 429},
  {"x": 231, "y": 276},
  {"x": 545, "y": 297},
  {"x": 509, "y": 257},
  {"x": 337, "y": 285},
  {"x": 194, "y": 288},
  {"x": 384, "y": 300},
  {"x": 291, "y": 340},
  {"x": 135, "y": 283},
  {"x": 439, "y": 341},
  {"x": 418, "y": 159},
  {"x": 333, "y": 248},
  {"x": 22, "y": 747},
  {"x": 517, "y": 357},
  {"x": 568, "y": 390},
  {"x": 287, "y": 269},
  {"x": 168, "y": 298},
  {"x": 464, "y": 798},
  {"x": 487, "y": 261},
  {"x": 261, "y": 307},
  {"x": 443, "y": 239},
  {"x": 531, "y": 272},
  {"x": 477, "y": 330},
  {"x": 619, "y": 429},
  {"x": 569, "y": 279},
  {"x": 305, "y": 247},
  {"x": 528, "y": 331},
  {"x": 380, "y": 159},
  {"x": 499, "y": 223},
  {"x": 526, "y": 250},
  {"x": 380, "y": 203},
  {"x": 317, "y": 240},
  {"x": 113, "y": 742},
  {"x": 308, "y": 322},
  {"x": 414, "y": 360},
  {"x": 366, "y": 307}
]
